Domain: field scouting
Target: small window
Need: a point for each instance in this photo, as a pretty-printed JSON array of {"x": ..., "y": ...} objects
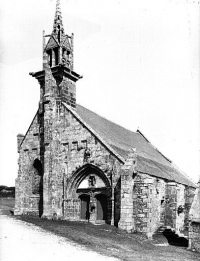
[
  {"x": 66, "y": 146},
  {"x": 37, "y": 185},
  {"x": 56, "y": 56},
  {"x": 58, "y": 107},
  {"x": 74, "y": 145},
  {"x": 84, "y": 144}
]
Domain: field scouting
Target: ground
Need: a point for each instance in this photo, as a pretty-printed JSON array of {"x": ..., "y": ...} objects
[
  {"x": 23, "y": 241},
  {"x": 67, "y": 239}
]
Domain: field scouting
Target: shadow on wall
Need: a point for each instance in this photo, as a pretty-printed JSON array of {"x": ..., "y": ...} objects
[
  {"x": 117, "y": 202},
  {"x": 37, "y": 185}
]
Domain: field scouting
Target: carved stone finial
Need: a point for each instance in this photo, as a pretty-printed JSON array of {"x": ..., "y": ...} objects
[{"x": 58, "y": 24}]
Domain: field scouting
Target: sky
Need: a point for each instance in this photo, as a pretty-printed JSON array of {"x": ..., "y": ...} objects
[{"x": 140, "y": 67}]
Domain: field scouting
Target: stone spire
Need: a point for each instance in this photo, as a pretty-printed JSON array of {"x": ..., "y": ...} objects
[{"x": 58, "y": 24}]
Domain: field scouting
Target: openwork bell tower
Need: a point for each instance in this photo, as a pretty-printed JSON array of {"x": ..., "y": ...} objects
[
  {"x": 59, "y": 49},
  {"x": 57, "y": 80}
]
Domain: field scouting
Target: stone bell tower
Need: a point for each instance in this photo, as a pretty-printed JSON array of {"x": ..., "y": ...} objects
[
  {"x": 57, "y": 85},
  {"x": 57, "y": 79}
]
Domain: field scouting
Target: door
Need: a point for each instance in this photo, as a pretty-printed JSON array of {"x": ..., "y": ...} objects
[
  {"x": 169, "y": 217},
  {"x": 85, "y": 202},
  {"x": 101, "y": 207}
]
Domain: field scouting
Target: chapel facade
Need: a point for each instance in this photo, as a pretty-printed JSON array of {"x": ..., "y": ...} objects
[{"x": 77, "y": 165}]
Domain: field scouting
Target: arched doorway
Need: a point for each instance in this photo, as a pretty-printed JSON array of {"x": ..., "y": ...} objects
[
  {"x": 92, "y": 187},
  {"x": 101, "y": 202},
  {"x": 84, "y": 204}
]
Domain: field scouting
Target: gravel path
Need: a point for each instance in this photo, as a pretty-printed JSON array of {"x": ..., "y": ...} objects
[{"x": 26, "y": 242}]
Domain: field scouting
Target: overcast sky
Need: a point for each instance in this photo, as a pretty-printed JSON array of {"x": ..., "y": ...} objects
[{"x": 140, "y": 67}]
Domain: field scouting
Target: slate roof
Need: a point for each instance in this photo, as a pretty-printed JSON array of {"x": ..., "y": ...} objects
[{"x": 150, "y": 160}]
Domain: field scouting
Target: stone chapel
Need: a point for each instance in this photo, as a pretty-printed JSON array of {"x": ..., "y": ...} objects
[{"x": 77, "y": 165}]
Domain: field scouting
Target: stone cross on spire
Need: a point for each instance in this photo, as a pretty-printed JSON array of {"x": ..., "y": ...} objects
[{"x": 58, "y": 24}]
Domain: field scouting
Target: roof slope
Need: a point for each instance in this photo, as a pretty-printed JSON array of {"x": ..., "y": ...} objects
[{"x": 150, "y": 160}]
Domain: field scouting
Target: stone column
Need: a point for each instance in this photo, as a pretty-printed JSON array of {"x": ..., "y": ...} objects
[
  {"x": 128, "y": 172},
  {"x": 112, "y": 199},
  {"x": 93, "y": 208},
  {"x": 171, "y": 205},
  {"x": 53, "y": 57},
  {"x": 20, "y": 137},
  {"x": 113, "y": 206},
  {"x": 194, "y": 226},
  {"x": 45, "y": 56}
]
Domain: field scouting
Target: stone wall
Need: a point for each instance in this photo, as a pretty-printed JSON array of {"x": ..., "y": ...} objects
[
  {"x": 28, "y": 152},
  {"x": 189, "y": 199},
  {"x": 170, "y": 205},
  {"x": 194, "y": 224},
  {"x": 194, "y": 236},
  {"x": 148, "y": 193},
  {"x": 180, "y": 210},
  {"x": 156, "y": 204},
  {"x": 64, "y": 155},
  {"x": 127, "y": 181},
  {"x": 60, "y": 142}
]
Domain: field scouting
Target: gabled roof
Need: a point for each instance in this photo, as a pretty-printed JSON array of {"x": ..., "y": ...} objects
[
  {"x": 121, "y": 140},
  {"x": 52, "y": 43}
]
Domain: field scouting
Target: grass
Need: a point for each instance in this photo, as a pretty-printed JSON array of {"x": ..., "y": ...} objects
[
  {"x": 7, "y": 205},
  {"x": 107, "y": 240}
]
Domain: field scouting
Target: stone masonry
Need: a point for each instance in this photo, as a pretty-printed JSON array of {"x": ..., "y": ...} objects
[{"x": 194, "y": 226}]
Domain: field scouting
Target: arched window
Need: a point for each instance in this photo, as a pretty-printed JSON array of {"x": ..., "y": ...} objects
[
  {"x": 56, "y": 56},
  {"x": 49, "y": 53},
  {"x": 37, "y": 185}
]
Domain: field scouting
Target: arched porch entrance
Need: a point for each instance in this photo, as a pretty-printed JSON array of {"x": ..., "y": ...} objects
[{"x": 91, "y": 188}]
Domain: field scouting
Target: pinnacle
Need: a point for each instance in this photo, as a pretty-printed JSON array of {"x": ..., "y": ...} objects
[
  {"x": 58, "y": 17},
  {"x": 58, "y": 10}
]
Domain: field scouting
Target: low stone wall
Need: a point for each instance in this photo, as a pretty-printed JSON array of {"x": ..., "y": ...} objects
[{"x": 194, "y": 236}]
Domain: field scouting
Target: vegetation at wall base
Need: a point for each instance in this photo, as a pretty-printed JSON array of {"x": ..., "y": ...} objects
[{"x": 7, "y": 191}]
